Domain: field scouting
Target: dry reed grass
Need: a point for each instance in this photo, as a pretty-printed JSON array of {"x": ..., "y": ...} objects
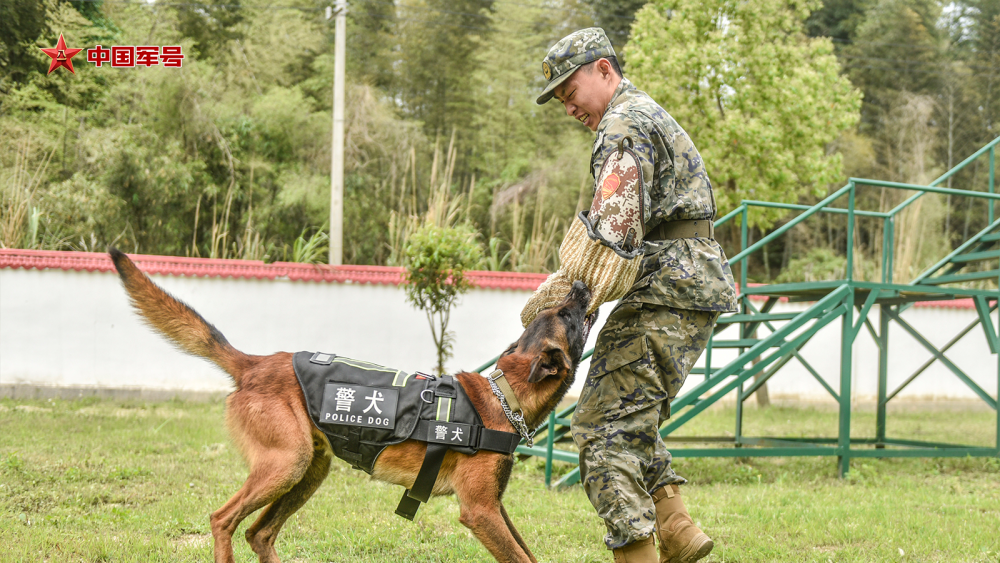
[{"x": 19, "y": 216}]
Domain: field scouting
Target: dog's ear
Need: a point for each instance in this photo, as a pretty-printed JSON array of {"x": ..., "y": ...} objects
[
  {"x": 539, "y": 369},
  {"x": 548, "y": 363}
]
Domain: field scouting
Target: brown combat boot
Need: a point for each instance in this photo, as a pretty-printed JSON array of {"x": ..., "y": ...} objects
[
  {"x": 680, "y": 540},
  {"x": 641, "y": 551}
]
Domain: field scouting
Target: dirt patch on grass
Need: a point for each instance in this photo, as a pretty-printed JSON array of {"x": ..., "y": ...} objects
[
  {"x": 214, "y": 450},
  {"x": 193, "y": 540}
]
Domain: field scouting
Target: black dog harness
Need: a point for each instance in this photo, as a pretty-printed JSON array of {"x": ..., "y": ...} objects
[{"x": 364, "y": 408}]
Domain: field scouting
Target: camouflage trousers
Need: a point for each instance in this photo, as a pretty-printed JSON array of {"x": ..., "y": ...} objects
[{"x": 642, "y": 357}]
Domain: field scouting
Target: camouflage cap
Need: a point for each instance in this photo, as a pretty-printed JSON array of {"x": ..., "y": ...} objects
[{"x": 570, "y": 53}]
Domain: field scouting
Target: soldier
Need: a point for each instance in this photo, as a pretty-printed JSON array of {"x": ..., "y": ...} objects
[{"x": 647, "y": 239}]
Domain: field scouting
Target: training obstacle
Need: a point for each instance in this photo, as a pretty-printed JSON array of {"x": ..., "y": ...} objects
[{"x": 849, "y": 301}]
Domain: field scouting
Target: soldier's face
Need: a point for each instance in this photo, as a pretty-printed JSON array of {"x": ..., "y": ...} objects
[{"x": 587, "y": 92}]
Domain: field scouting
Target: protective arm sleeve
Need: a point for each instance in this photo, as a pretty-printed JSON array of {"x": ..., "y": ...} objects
[{"x": 607, "y": 275}]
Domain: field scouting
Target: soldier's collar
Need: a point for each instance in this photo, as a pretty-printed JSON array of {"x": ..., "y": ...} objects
[
  {"x": 510, "y": 405},
  {"x": 619, "y": 96}
]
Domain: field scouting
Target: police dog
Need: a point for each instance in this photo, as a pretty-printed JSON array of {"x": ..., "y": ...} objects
[{"x": 289, "y": 457}]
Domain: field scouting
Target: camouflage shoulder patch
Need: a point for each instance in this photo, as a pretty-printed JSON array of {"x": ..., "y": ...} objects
[{"x": 615, "y": 218}]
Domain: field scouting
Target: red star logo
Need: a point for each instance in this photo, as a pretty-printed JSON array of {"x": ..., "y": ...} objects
[{"x": 61, "y": 56}]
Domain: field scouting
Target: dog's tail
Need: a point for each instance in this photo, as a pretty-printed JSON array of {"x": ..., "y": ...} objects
[{"x": 181, "y": 324}]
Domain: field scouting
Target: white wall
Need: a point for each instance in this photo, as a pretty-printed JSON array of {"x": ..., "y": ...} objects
[
  {"x": 906, "y": 355},
  {"x": 76, "y": 329}
]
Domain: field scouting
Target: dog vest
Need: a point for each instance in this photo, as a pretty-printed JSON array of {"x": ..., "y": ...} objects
[{"x": 364, "y": 408}]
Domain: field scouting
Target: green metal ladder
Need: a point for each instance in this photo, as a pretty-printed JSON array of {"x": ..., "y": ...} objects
[{"x": 761, "y": 358}]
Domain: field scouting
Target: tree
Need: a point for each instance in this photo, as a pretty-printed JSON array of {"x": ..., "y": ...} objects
[
  {"x": 615, "y": 17},
  {"x": 986, "y": 41},
  {"x": 21, "y": 22},
  {"x": 760, "y": 100},
  {"x": 896, "y": 49},
  {"x": 523, "y": 152},
  {"x": 370, "y": 28},
  {"x": 437, "y": 44},
  {"x": 212, "y": 25},
  {"x": 437, "y": 258},
  {"x": 229, "y": 156},
  {"x": 837, "y": 19}
]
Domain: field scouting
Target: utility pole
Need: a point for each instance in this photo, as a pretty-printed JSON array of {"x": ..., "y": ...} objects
[{"x": 337, "y": 156}]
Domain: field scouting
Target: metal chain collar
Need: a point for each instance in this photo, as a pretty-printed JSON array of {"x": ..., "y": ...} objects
[{"x": 516, "y": 418}]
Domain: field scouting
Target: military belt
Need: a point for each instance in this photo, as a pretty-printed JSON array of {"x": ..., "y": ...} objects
[{"x": 692, "y": 228}]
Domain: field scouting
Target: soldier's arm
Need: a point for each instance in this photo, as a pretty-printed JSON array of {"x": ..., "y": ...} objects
[{"x": 600, "y": 249}]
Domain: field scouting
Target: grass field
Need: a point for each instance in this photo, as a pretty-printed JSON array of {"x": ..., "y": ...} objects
[{"x": 111, "y": 481}]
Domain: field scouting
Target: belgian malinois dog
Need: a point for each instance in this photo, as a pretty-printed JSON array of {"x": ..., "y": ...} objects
[{"x": 289, "y": 456}]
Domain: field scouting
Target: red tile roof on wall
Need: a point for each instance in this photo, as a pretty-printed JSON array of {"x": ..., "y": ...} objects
[
  {"x": 245, "y": 269},
  {"x": 256, "y": 269}
]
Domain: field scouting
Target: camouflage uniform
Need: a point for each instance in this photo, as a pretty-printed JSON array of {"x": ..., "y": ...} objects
[
  {"x": 643, "y": 354},
  {"x": 687, "y": 273},
  {"x": 661, "y": 326}
]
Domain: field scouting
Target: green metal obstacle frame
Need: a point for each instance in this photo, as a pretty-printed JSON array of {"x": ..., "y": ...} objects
[{"x": 975, "y": 260}]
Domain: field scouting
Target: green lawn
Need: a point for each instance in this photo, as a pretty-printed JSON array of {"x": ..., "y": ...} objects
[{"x": 112, "y": 481}]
